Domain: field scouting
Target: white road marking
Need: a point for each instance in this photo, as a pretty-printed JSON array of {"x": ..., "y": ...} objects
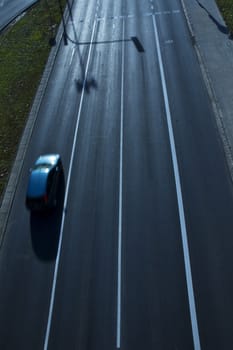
[
  {"x": 52, "y": 297},
  {"x": 72, "y": 55},
  {"x": 97, "y": 9},
  {"x": 118, "y": 342},
  {"x": 169, "y": 42},
  {"x": 148, "y": 14},
  {"x": 144, "y": 14},
  {"x": 192, "y": 307}
]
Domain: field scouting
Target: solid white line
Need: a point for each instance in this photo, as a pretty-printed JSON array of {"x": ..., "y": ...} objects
[
  {"x": 52, "y": 297},
  {"x": 72, "y": 55},
  {"x": 192, "y": 307},
  {"x": 118, "y": 342}
]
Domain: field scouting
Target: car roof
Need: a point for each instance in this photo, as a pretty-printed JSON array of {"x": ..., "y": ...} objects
[
  {"x": 39, "y": 175},
  {"x": 37, "y": 183}
]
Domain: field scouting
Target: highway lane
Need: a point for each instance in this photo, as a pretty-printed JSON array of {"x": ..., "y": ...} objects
[
  {"x": 153, "y": 256},
  {"x": 89, "y": 256},
  {"x": 10, "y": 9},
  {"x": 87, "y": 276},
  {"x": 122, "y": 131},
  {"x": 30, "y": 246},
  {"x": 207, "y": 193}
]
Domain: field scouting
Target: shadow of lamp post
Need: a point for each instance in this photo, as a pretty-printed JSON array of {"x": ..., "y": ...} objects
[{"x": 63, "y": 22}]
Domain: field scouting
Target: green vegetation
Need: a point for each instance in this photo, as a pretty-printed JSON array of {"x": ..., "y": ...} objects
[
  {"x": 226, "y": 7},
  {"x": 24, "y": 49}
]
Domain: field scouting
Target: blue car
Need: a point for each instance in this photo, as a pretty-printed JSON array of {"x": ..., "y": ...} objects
[{"x": 43, "y": 183}]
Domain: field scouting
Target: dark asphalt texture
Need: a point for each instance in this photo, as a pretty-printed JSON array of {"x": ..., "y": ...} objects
[{"x": 154, "y": 301}]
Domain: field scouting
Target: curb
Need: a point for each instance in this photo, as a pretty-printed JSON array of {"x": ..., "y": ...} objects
[
  {"x": 212, "y": 95},
  {"x": 188, "y": 20},
  {"x": 16, "y": 170},
  {"x": 217, "y": 111},
  {"x": 13, "y": 18}
]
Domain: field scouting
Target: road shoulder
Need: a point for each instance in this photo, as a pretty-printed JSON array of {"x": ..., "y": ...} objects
[{"x": 214, "y": 49}]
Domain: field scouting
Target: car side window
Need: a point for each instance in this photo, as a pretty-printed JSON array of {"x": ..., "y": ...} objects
[{"x": 50, "y": 181}]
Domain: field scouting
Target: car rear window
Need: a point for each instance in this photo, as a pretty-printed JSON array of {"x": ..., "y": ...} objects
[{"x": 42, "y": 167}]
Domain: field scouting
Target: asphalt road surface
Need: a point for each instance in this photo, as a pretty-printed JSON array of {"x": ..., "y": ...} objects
[
  {"x": 138, "y": 254},
  {"x": 10, "y": 9}
]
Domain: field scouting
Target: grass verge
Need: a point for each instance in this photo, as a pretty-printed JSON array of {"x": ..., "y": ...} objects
[
  {"x": 226, "y": 8},
  {"x": 24, "y": 50}
]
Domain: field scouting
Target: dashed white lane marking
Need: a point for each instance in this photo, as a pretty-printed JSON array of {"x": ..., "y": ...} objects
[
  {"x": 168, "y": 42},
  {"x": 187, "y": 263},
  {"x": 97, "y": 9},
  {"x": 118, "y": 340},
  {"x": 147, "y": 14}
]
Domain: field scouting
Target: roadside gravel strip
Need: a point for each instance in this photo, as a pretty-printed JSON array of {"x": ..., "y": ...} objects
[
  {"x": 214, "y": 50},
  {"x": 19, "y": 160},
  {"x": 188, "y": 22}
]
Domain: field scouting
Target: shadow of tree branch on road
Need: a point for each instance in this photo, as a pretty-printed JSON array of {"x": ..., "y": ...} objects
[{"x": 223, "y": 29}]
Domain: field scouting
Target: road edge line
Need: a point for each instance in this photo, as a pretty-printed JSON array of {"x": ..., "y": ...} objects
[{"x": 184, "y": 236}]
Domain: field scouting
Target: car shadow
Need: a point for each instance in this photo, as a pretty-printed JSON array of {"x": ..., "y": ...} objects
[
  {"x": 223, "y": 29},
  {"x": 45, "y": 227}
]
